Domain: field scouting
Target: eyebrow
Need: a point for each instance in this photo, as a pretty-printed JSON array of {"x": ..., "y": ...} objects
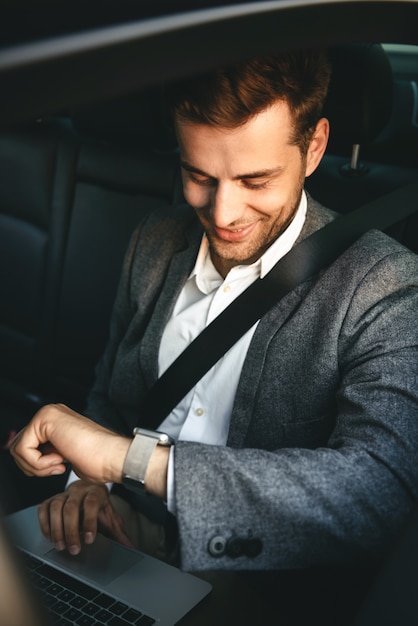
[{"x": 258, "y": 174}]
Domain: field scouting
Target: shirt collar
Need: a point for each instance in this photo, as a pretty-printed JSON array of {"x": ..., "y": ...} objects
[{"x": 208, "y": 278}]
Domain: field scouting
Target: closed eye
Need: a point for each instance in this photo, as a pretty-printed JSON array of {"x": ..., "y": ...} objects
[
  {"x": 255, "y": 185},
  {"x": 198, "y": 179},
  {"x": 261, "y": 179}
]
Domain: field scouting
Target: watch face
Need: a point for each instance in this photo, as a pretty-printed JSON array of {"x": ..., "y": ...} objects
[{"x": 162, "y": 438}]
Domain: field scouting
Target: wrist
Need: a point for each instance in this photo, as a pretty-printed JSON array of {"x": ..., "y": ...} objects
[
  {"x": 114, "y": 472},
  {"x": 146, "y": 462}
]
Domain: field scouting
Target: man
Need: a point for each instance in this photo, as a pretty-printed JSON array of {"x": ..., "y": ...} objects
[{"x": 300, "y": 447}]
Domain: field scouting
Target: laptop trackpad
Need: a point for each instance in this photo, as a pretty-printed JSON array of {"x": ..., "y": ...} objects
[{"x": 102, "y": 561}]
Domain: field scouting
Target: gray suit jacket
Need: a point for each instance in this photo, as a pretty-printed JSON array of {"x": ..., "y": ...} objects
[{"x": 321, "y": 464}]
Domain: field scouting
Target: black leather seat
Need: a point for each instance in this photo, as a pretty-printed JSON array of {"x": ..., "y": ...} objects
[
  {"x": 72, "y": 190},
  {"x": 127, "y": 167},
  {"x": 37, "y": 167}
]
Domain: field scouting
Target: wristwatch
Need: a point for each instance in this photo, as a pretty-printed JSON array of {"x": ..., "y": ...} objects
[{"x": 139, "y": 454}]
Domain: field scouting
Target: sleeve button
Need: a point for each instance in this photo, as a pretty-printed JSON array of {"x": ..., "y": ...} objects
[
  {"x": 235, "y": 547},
  {"x": 253, "y": 547},
  {"x": 216, "y": 546}
]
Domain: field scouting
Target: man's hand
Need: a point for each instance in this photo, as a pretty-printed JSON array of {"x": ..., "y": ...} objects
[
  {"x": 70, "y": 518},
  {"x": 57, "y": 435}
]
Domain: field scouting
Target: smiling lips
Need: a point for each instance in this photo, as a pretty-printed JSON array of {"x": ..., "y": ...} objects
[{"x": 235, "y": 234}]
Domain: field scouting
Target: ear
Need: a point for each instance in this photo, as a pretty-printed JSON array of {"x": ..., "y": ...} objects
[{"x": 317, "y": 146}]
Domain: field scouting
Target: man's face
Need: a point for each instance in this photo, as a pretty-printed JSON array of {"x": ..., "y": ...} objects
[{"x": 245, "y": 184}]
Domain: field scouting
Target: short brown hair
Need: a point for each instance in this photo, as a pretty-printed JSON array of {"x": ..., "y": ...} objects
[{"x": 229, "y": 96}]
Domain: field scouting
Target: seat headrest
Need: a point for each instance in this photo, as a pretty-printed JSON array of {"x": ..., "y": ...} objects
[
  {"x": 360, "y": 98},
  {"x": 138, "y": 120}
]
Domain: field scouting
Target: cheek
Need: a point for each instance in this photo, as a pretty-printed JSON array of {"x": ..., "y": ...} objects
[
  {"x": 280, "y": 197},
  {"x": 268, "y": 202},
  {"x": 197, "y": 197}
]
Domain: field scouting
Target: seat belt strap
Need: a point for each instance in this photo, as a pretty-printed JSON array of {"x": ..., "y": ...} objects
[{"x": 301, "y": 263}]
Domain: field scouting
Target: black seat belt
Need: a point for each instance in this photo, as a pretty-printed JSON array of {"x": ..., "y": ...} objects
[{"x": 302, "y": 262}]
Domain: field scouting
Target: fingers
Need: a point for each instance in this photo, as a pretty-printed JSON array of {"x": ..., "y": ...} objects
[
  {"x": 44, "y": 518},
  {"x": 35, "y": 460},
  {"x": 48, "y": 440},
  {"x": 59, "y": 519},
  {"x": 70, "y": 518},
  {"x": 93, "y": 502}
]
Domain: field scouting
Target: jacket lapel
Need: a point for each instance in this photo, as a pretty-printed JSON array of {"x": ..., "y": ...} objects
[
  {"x": 269, "y": 325},
  {"x": 180, "y": 266}
]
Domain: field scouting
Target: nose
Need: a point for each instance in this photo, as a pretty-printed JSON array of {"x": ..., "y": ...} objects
[{"x": 227, "y": 206}]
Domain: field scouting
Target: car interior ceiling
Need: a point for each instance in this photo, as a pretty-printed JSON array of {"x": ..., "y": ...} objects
[{"x": 75, "y": 185}]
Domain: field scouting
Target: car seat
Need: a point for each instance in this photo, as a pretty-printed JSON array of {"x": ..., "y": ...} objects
[{"x": 359, "y": 107}]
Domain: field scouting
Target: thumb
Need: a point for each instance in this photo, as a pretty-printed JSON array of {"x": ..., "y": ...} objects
[
  {"x": 111, "y": 524},
  {"x": 121, "y": 537}
]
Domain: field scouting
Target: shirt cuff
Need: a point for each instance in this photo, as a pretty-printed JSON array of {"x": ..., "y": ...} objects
[{"x": 72, "y": 477}]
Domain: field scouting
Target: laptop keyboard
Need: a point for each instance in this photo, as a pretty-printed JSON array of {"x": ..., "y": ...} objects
[{"x": 70, "y": 601}]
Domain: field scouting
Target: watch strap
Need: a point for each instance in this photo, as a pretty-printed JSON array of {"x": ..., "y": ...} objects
[{"x": 137, "y": 459}]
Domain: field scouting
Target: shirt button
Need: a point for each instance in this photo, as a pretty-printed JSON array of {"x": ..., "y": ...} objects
[
  {"x": 199, "y": 412},
  {"x": 227, "y": 288}
]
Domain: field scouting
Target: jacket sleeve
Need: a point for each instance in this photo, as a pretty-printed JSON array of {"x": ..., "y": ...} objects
[{"x": 342, "y": 502}]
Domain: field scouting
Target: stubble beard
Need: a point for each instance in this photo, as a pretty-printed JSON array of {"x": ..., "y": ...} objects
[{"x": 232, "y": 254}]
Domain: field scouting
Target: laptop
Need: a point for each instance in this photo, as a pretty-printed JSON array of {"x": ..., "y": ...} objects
[{"x": 106, "y": 583}]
